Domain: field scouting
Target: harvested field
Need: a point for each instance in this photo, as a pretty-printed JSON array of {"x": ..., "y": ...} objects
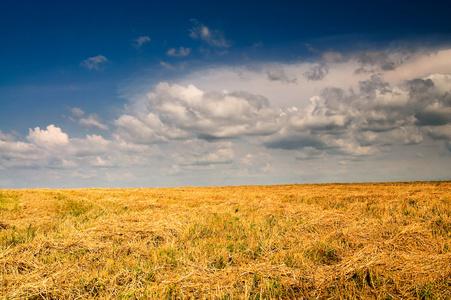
[{"x": 326, "y": 241}]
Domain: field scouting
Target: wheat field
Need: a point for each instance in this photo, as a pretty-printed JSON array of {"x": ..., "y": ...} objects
[{"x": 325, "y": 241}]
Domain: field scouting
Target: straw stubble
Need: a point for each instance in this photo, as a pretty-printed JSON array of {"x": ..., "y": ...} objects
[{"x": 337, "y": 241}]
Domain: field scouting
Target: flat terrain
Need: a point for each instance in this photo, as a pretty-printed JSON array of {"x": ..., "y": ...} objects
[{"x": 328, "y": 241}]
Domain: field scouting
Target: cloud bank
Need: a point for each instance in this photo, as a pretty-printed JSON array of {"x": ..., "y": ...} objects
[{"x": 312, "y": 121}]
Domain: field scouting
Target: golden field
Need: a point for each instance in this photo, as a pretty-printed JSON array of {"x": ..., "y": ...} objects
[{"x": 326, "y": 241}]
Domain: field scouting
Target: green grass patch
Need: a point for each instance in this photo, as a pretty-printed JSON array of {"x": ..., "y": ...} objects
[
  {"x": 68, "y": 207},
  {"x": 13, "y": 236}
]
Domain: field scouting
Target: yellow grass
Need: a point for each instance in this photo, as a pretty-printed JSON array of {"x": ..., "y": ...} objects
[{"x": 331, "y": 241}]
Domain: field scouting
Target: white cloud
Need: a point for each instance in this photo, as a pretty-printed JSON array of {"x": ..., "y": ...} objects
[
  {"x": 202, "y": 153},
  {"x": 92, "y": 121},
  {"x": 14, "y": 153},
  {"x": 257, "y": 163},
  {"x": 421, "y": 63},
  {"x": 319, "y": 117},
  {"x": 133, "y": 129},
  {"x": 213, "y": 38},
  {"x": 51, "y": 137},
  {"x": 182, "y": 52},
  {"x": 358, "y": 123},
  {"x": 77, "y": 112},
  {"x": 255, "y": 80},
  {"x": 212, "y": 114},
  {"x": 92, "y": 145},
  {"x": 147, "y": 128},
  {"x": 94, "y": 63},
  {"x": 279, "y": 75},
  {"x": 345, "y": 114},
  {"x": 140, "y": 41},
  {"x": 52, "y": 149},
  {"x": 3, "y": 136}
]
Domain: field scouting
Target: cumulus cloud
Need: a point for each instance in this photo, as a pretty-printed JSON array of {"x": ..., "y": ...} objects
[
  {"x": 211, "y": 37},
  {"x": 202, "y": 153},
  {"x": 375, "y": 61},
  {"x": 94, "y": 63},
  {"x": 440, "y": 132},
  {"x": 218, "y": 120},
  {"x": 317, "y": 72},
  {"x": 14, "y": 153},
  {"x": 51, "y": 137},
  {"x": 257, "y": 163},
  {"x": 448, "y": 146},
  {"x": 137, "y": 43},
  {"x": 131, "y": 128},
  {"x": 147, "y": 128},
  {"x": 355, "y": 120},
  {"x": 3, "y": 136},
  {"x": 92, "y": 145},
  {"x": 319, "y": 117},
  {"x": 8, "y": 136},
  {"x": 419, "y": 64},
  {"x": 434, "y": 114},
  {"x": 212, "y": 115},
  {"x": 92, "y": 121},
  {"x": 181, "y": 52},
  {"x": 358, "y": 123},
  {"x": 279, "y": 75},
  {"x": 51, "y": 148}
]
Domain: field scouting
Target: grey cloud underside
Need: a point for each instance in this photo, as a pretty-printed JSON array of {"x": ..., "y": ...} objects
[
  {"x": 185, "y": 128},
  {"x": 295, "y": 141},
  {"x": 377, "y": 61},
  {"x": 342, "y": 122},
  {"x": 440, "y": 132},
  {"x": 200, "y": 130},
  {"x": 448, "y": 146},
  {"x": 317, "y": 72},
  {"x": 279, "y": 75},
  {"x": 203, "y": 153}
]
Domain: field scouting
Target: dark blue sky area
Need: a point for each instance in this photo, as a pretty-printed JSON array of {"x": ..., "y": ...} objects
[
  {"x": 50, "y": 38},
  {"x": 56, "y": 30}
]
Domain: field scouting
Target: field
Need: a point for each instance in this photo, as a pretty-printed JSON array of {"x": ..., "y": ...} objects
[{"x": 328, "y": 241}]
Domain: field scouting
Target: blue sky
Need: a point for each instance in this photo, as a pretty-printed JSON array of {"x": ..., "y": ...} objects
[{"x": 146, "y": 93}]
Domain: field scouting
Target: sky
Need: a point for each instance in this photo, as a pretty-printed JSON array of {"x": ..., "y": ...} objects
[{"x": 206, "y": 93}]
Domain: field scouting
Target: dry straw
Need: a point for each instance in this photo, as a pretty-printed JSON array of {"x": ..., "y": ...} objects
[{"x": 331, "y": 241}]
